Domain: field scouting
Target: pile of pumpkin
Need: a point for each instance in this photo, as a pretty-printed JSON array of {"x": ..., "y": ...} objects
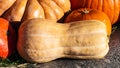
[{"x": 83, "y": 34}]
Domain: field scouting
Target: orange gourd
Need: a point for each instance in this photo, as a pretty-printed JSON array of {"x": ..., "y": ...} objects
[
  {"x": 110, "y": 7},
  {"x": 7, "y": 39}
]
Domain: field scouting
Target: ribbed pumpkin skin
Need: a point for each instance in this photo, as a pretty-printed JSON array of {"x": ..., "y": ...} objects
[
  {"x": 110, "y": 7},
  {"x": 89, "y": 14},
  {"x": 21, "y": 10},
  {"x": 5, "y": 4}
]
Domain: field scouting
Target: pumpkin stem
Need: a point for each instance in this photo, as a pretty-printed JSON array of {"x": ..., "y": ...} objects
[{"x": 85, "y": 11}]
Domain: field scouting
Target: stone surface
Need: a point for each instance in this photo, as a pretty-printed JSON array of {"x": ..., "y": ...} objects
[{"x": 111, "y": 60}]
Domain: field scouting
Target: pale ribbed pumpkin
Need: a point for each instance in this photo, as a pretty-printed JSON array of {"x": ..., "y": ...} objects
[{"x": 26, "y": 9}]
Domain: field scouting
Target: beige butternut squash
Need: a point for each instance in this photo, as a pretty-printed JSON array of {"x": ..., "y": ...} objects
[{"x": 42, "y": 40}]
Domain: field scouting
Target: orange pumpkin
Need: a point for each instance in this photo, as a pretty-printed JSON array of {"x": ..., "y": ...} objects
[
  {"x": 110, "y": 7},
  {"x": 88, "y": 14},
  {"x": 7, "y": 39}
]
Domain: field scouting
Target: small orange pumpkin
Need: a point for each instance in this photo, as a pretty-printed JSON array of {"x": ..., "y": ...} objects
[
  {"x": 109, "y": 7},
  {"x": 88, "y": 14}
]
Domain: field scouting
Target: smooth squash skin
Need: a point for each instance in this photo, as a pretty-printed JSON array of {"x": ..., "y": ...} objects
[{"x": 41, "y": 40}]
